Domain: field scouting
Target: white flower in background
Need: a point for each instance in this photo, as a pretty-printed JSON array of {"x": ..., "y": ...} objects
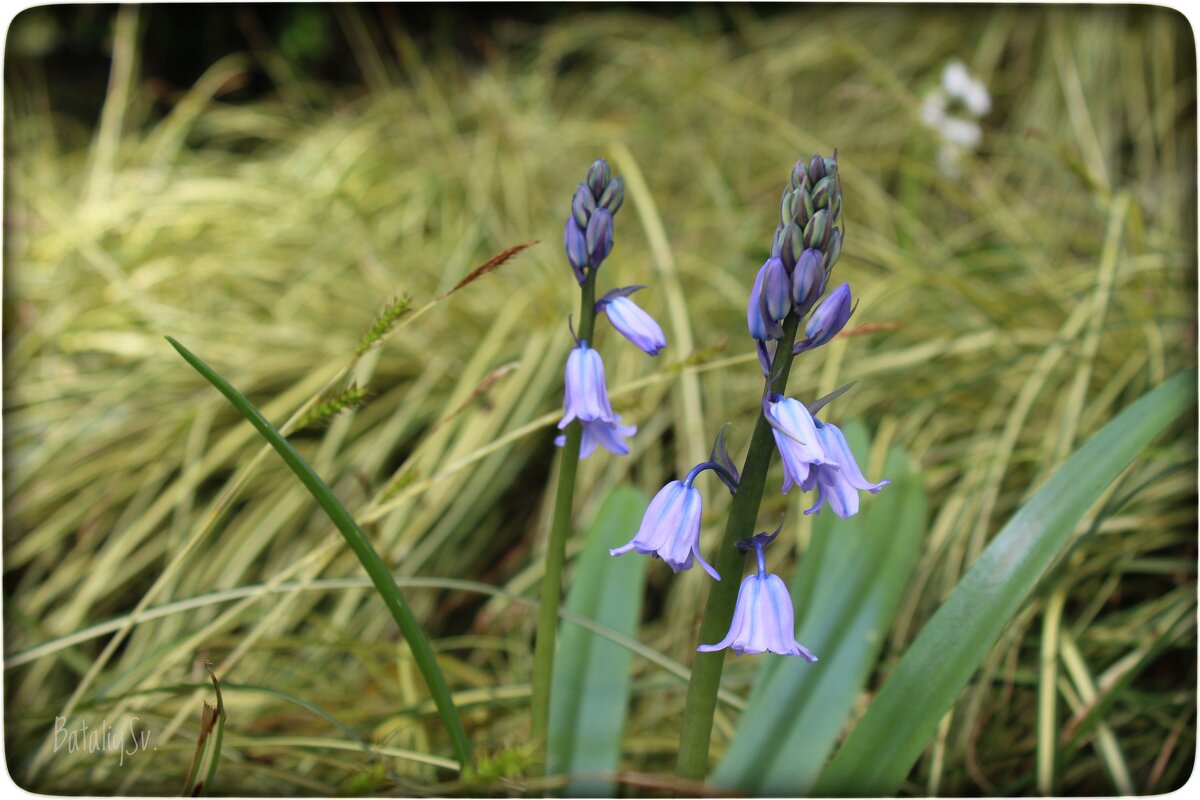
[{"x": 951, "y": 109}]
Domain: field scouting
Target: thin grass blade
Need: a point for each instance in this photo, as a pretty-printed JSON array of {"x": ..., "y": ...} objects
[{"x": 376, "y": 569}]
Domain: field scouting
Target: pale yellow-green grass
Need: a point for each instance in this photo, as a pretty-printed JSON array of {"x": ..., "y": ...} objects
[{"x": 1025, "y": 302}]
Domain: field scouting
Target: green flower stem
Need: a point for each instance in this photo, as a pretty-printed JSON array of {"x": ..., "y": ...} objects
[
  {"x": 730, "y": 564},
  {"x": 361, "y": 545},
  {"x": 556, "y": 547}
]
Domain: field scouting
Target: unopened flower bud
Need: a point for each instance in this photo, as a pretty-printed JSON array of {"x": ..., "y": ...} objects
[
  {"x": 598, "y": 177},
  {"x": 776, "y": 290},
  {"x": 833, "y": 250},
  {"x": 790, "y": 245},
  {"x": 816, "y": 168},
  {"x": 599, "y": 236},
  {"x": 816, "y": 232},
  {"x": 800, "y": 176},
  {"x": 614, "y": 195},
  {"x": 582, "y": 206},
  {"x": 808, "y": 280},
  {"x": 576, "y": 247},
  {"x": 827, "y": 320},
  {"x": 823, "y": 192}
]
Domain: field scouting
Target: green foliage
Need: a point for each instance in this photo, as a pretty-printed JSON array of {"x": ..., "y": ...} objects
[
  {"x": 1012, "y": 312},
  {"x": 590, "y": 694},
  {"x": 902, "y": 717}
]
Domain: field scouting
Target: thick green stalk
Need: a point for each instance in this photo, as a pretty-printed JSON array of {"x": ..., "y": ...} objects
[
  {"x": 730, "y": 563},
  {"x": 378, "y": 572},
  {"x": 556, "y": 547}
]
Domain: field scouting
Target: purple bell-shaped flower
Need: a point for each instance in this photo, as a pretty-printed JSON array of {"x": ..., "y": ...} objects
[
  {"x": 763, "y": 619},
  {"x": 670, "y": 528},
  {"x": 839, "y": 479}
]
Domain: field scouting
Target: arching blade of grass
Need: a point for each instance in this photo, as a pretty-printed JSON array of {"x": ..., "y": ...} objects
[
  {"x": 376, "y": 569},
  {"x": 880, "y": 751},
  {"x": 847, "y": 590},
  {"x": 589, "y": 696}
]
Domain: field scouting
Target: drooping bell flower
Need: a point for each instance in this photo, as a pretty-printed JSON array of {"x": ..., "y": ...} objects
[
  {"x": 631, "y": 321},
  {"x": 795, "y": 431},
  {"x": 763, "y": 619},
  {"x": 586, "y": 396},
  {"x": 827, "y": 319},
  {"x": 838, "y": 480},
  {"x": 670, "y": 528}
]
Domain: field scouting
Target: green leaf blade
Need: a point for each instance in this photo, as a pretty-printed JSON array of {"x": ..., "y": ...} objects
[
  {"x": 590, "y": 693},
  {"x": 380, "y": 576},
  {"x": 878, "y": 754}
]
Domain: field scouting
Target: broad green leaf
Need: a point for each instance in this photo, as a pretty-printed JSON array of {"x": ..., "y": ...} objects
[
  {"x": 880, "y": 751},
  {"x": 846, "y": 590},
  {"x": 590, "y": 693}
]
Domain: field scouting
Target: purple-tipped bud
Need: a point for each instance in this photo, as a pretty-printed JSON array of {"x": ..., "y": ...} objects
[
  {"x": 598, "y": 177},
  {"x": 586, "y": 396},
  {"x": 582, "y": 206},
  {"x": 576, "y": 247},
  {"x": 816, "y": 232},
  {"x": 808, "y": 280},
  {"x": 599, "y": 236},
  {"x": 827, "y": 320},
  {"x": 670, "y": 529},
  {"x": 790, "y": 245},
  {"x": 634, "y": 324},
  {"x": 776, "y": 290},
  {"x": 834, "y": 250},
  {"x": 823, "y": 191},
  {"x": 754, "y": 313},
  {"x": 763, "y": 620},
  {"x": 614, "y": 195},
  {"x": 800, "y": 176},
  {"x": 816, "y": 168},
  {"x": 787, "y": 206}
]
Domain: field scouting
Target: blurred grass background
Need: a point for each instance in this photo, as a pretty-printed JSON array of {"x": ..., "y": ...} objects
[{"x": 338, "y": 157}]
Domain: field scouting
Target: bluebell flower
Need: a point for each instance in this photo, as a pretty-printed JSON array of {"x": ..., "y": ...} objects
[
  {"x": 808, "y": 280},
  {"x": 839, "y": 479},
  {"x": 670, "y": 528},
  {"x": 796, "y": 437},
  {"x": 599, "y": 236},
  {"x": 609, "y": 435},
  {"x": 827, "y": 319},
  {"x": 631, "y": 321},
  {"x": 755, "y": 320},
  {"x": 586, "y": 396},
  {"x": 575, "y": 244},
  {"x": 776, "y": 290},
  {"x": 763, "y": 619}
]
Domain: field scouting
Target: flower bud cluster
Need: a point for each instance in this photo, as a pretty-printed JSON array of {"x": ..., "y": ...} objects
[
  {"x": 806, "y": 246},
  {"x": 588, "y": 234}
]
